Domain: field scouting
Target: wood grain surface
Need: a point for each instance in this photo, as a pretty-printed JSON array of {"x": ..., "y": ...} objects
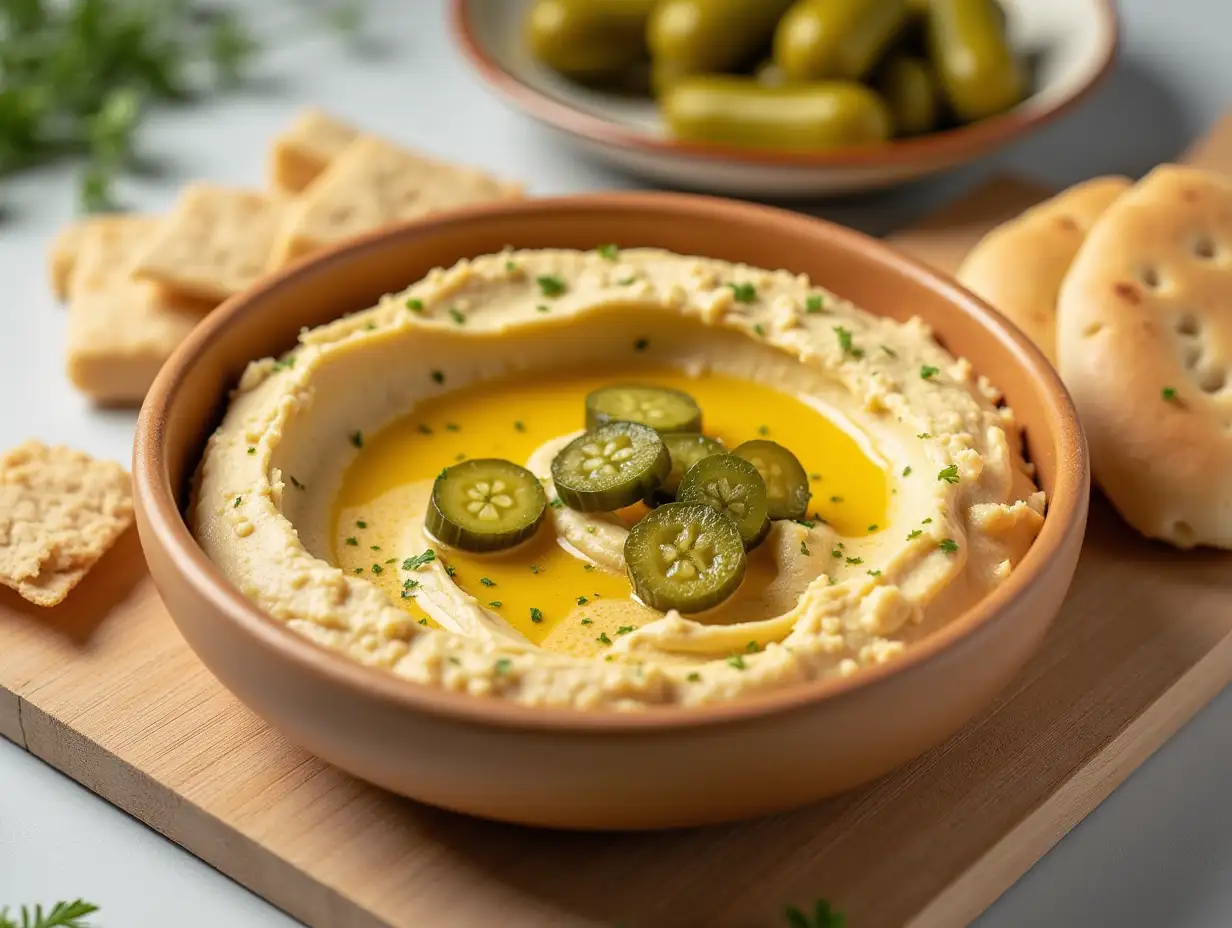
[{"x": 104, "y": 689}]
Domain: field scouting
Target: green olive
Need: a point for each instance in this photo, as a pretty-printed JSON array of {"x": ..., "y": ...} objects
[
  {"x": 836, "y": 39},
  {"x": 910, "y": 88},
  {"x": 741, "y": 111},
  {"x": 709, "y": 36},
  {"x": 978, "y": 70},
  {"x": 588, "y": 39}
]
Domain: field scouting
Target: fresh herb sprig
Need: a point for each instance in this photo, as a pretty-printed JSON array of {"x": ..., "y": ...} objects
[{"x": 61, "y": 915}]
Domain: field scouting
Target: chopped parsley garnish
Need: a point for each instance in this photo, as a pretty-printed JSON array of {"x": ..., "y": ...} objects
[
  {"x": 844, "y": 342},
  {"x": 590, "y": 530},
  {"x": 374, "y": 547},
  {"x": 890, "y": 351},
  {"x": 926, "y": 520},
  {"x": 252, "y": 450},
  {"x": 419, "y": 560},
  {"x": 502, "y": 666},
  {"x": 949, "y": 474},
  {"x": 907, "y": 471},
  {"x": 1168, "y": 394},
  {"x": 284, "y": 363},
  {"x": 855, "y": 561},
  {"x": 752, "y": 647},
  {"x": 236, "y": 504},
  {"x": 423, "y": 621},
  {"x": 948, "y": 545},
  {"x": 763, "y": 430},
  {"x": 815, "y": 477},
  {"x": 359, "y": 570},
  {"x": 414, "y": 305},
  {"x": 582, "y": 600},
  {"x": 511, "y": 266},
  {"x": 495, "y": 604},
  {"x": 641, "y": 344},
  {"x": 535, "y": 568},
  {"x": 694, "y": 677},
  {"x": 486, "y": 581},
  {"x": 608, "y": 252},
  {"x": 460, "y": 456},
  {"x": 450, "y": 570},
  {"x": 295, "y": 483},
  {"x": 836, "y": 499},
  {"x": 357, "y": 438},
  {"x": 392, "y": 560},
  {"x": 737, "y": 661},
  {"x": 625, "y": 629},
  {"x": 924, "y": 435},
  {"x": 444, "y": 474},
  {"x": 625, "y": 281},
  {"x": 452, "y": 427},
  {"x": 814, "y": 303},
  {"x": 836, "y": 553},
  {"x": 743, "y": 293},
  {"x": 586, "y": 621},
  {"x": 438, "y": 376},
  {"x": 377, "y": 569},
  {"x": 424, "y": 428},
  {"x": 456, "y": 316},
  {"x": 360, "y": 523},
  {"x": 874, "y": 573},
  {"x": 588, "y": 567},
  {"x": 603, "y": 638},
  {"x": 519, "y": 426},
  {"x": 557, "y": 502},
  {"x": 873, "y": 527},
  {"x": 550, "y": 285},
  {"x": 543, "y": 308},
  {"x": 804, "y": 549},
  {"x": 928, "y": 372},
  {"x": 914, "y": 534},
  {"x": 805, "y": 522},
  {"x": 759, "y": 330},
  {"x": 536, "y": 615}
]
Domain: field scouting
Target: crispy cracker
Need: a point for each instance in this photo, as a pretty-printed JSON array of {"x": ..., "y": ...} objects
[
  {"x": 214, "y": 244},
  {"x": 301, "y": 151},
  {"x": 374, "y": 183},
  {"x": 1019, "y": 266},
  {"x": 1144, "y": 338},
  {"x": 115, "y": 240},
  {"x": 60, "y": 511}
]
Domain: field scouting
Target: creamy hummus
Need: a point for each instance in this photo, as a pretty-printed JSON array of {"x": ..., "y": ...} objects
[{"x": 960, "y": 507}]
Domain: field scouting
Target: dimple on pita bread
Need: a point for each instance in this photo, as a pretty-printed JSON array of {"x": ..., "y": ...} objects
[
  {"x": 1019, "y": 266},
  {"x": 1145, "y": 346}
]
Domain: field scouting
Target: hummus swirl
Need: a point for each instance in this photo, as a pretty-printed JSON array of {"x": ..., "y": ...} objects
[{"x": 963, "y": 508}]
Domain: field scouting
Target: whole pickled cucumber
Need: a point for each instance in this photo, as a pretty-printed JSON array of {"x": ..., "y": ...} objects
[
  {"x": 743, "y": 111},
  {"x": 978, "y": 70},
  {"x": 836, "y": 39},
  {"x": 910, "y": 90},
  {"x": 710, "y": 36},
  {"x": 588, "y": 39}
]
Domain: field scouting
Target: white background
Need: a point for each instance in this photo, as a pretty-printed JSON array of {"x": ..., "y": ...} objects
[{"x": 1157, "y": 853}]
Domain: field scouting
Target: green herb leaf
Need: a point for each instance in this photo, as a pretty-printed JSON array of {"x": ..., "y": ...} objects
[
  {"x": 694, "y": 677},
  {"x": 586, "y": 621},
  {"x": 486, "y": 581},
  {"x": 414, "y": 305},
  {"x": 890, "y": 351},
  {"x": 551, "y": 285},
  {"x": 949, "y": 474},
  {"x": 737, "y": 661},
  {"x": 603, "y": 638},
  {"x": 1168, "y": 394},
  {"x": 743, "y": 293},
  {"x": 814, "y": 303},
  {"x": 928, "y": 372},
  {"x": 61, "y": 915},
  {"x": 360, "y": 523},
  {"x": 625, "y": 629},
  {"x": 582, "y": 600},
  {"x": 855, "y": 561},
  {"x": 914, "y": 534},
  {"x": 804, "y": 549},
  {"x": 357, "y": 439},
  {"x": 948, "y": 545},
  {"x": 907, "y": 471},
  {"x": 353, "y": 541},
  {"x": 456, "y": 316},
  {"x": 536, "y": 615},
  {"x": 608, "y": 252},
  {"x": 495, "y": 604},
  {"x": 502, "y": 666},
  {"x": 518, "y": 426},
  {"x": 419, "y": 560}
]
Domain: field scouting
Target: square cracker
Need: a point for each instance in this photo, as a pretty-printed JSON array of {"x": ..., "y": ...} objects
[
  {"x": 302, "y": 150},
  {"x": 374, "y": 183},
  {"x": 214, "y": 244},
  {"x": 60, "y": 511},
  {"x": 117, "y": 233},
  {"x": 120, "y": 330}
]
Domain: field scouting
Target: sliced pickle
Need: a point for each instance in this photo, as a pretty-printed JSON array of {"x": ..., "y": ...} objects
[
  {"x": 661, "y": 408},
  {"x": 485, "y": 505},
  {"x": 731, "y": 486},
  {"x": 686, "y": 449},
  {"x": 610, "y": 467},
  {"x": 684, "y": 556},
  {"x": 787, "y": 485}
]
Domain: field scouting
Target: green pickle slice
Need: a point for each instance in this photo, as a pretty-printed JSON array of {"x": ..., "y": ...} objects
[
  {"x": 684, "y": 556},
  {"x": 686, "y": 449},
  {"x": 661, "y": 408},
  {"x": 610, "y": 467},
  {"x": 486, "y": 504},
  {"x": 786, "y": 481},
  {"x": 732, "y": 487}
]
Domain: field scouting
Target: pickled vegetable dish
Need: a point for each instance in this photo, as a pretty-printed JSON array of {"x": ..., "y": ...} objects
[{"x": 790, "y": 74}]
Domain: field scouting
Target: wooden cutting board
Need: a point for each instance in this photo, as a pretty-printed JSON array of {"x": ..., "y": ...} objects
[{"x": 104, "y": 689}]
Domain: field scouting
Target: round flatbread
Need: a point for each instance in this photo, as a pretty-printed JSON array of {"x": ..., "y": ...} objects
[
  {"x": 1144, "y": 336},
  {"x": 1018, "y": 267}
]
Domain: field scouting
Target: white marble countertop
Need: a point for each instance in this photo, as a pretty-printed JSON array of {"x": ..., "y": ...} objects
[{"x": 1158, "y": 852}]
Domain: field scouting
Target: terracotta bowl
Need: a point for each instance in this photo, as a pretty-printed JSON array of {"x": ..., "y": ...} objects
[
  {"x": 657, "y": 768},
  {"x": 1070, "y": 45}
]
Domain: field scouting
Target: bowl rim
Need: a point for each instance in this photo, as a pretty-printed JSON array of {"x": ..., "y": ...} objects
[
  {"x": 948, "y": 146},
  {"x": 158, "y": 499}
]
